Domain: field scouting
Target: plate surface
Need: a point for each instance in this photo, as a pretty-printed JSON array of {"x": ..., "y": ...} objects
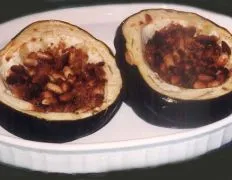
[{"x": 126, "y": 141}]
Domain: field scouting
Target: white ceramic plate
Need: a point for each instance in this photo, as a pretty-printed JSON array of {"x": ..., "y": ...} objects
[{"x": 127, "y": 141}]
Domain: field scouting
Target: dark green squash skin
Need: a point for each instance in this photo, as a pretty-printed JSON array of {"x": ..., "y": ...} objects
[
  {"x": 35, "y": 129},
  {"x": 154, "y": 108}
]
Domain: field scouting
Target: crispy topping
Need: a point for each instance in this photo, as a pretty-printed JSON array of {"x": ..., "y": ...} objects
[
  {"x": 186, "y": 59},
  {"x": 58, "y": 79}
]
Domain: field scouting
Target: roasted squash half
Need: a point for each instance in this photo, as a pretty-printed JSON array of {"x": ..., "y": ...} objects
[
  {"x": 176, "y": 66},
  {"x": 58, "y": 83}
]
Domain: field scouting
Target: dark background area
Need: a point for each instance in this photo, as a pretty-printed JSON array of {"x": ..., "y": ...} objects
[
  {"x": 214, "y": 165},
  {"x": 11, "y": 8}
]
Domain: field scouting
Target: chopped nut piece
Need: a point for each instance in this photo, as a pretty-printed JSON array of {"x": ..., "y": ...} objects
[
  {"x": 49, "y": 101},
  {"x": 29, "y": 62},
  {"x": 67, "y": 71},
  {"x": 222, "y": 60},
  {"x": 168, "y": 60},
  {"x": 58, "y": 76},
  {"x": 44, "y": 55},
  {"x": 54, "y": 88}
]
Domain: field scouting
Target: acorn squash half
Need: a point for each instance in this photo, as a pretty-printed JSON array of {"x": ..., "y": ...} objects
[
  {"x": 172, "y": 63},
  {"x": 57, "y": 83}
]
